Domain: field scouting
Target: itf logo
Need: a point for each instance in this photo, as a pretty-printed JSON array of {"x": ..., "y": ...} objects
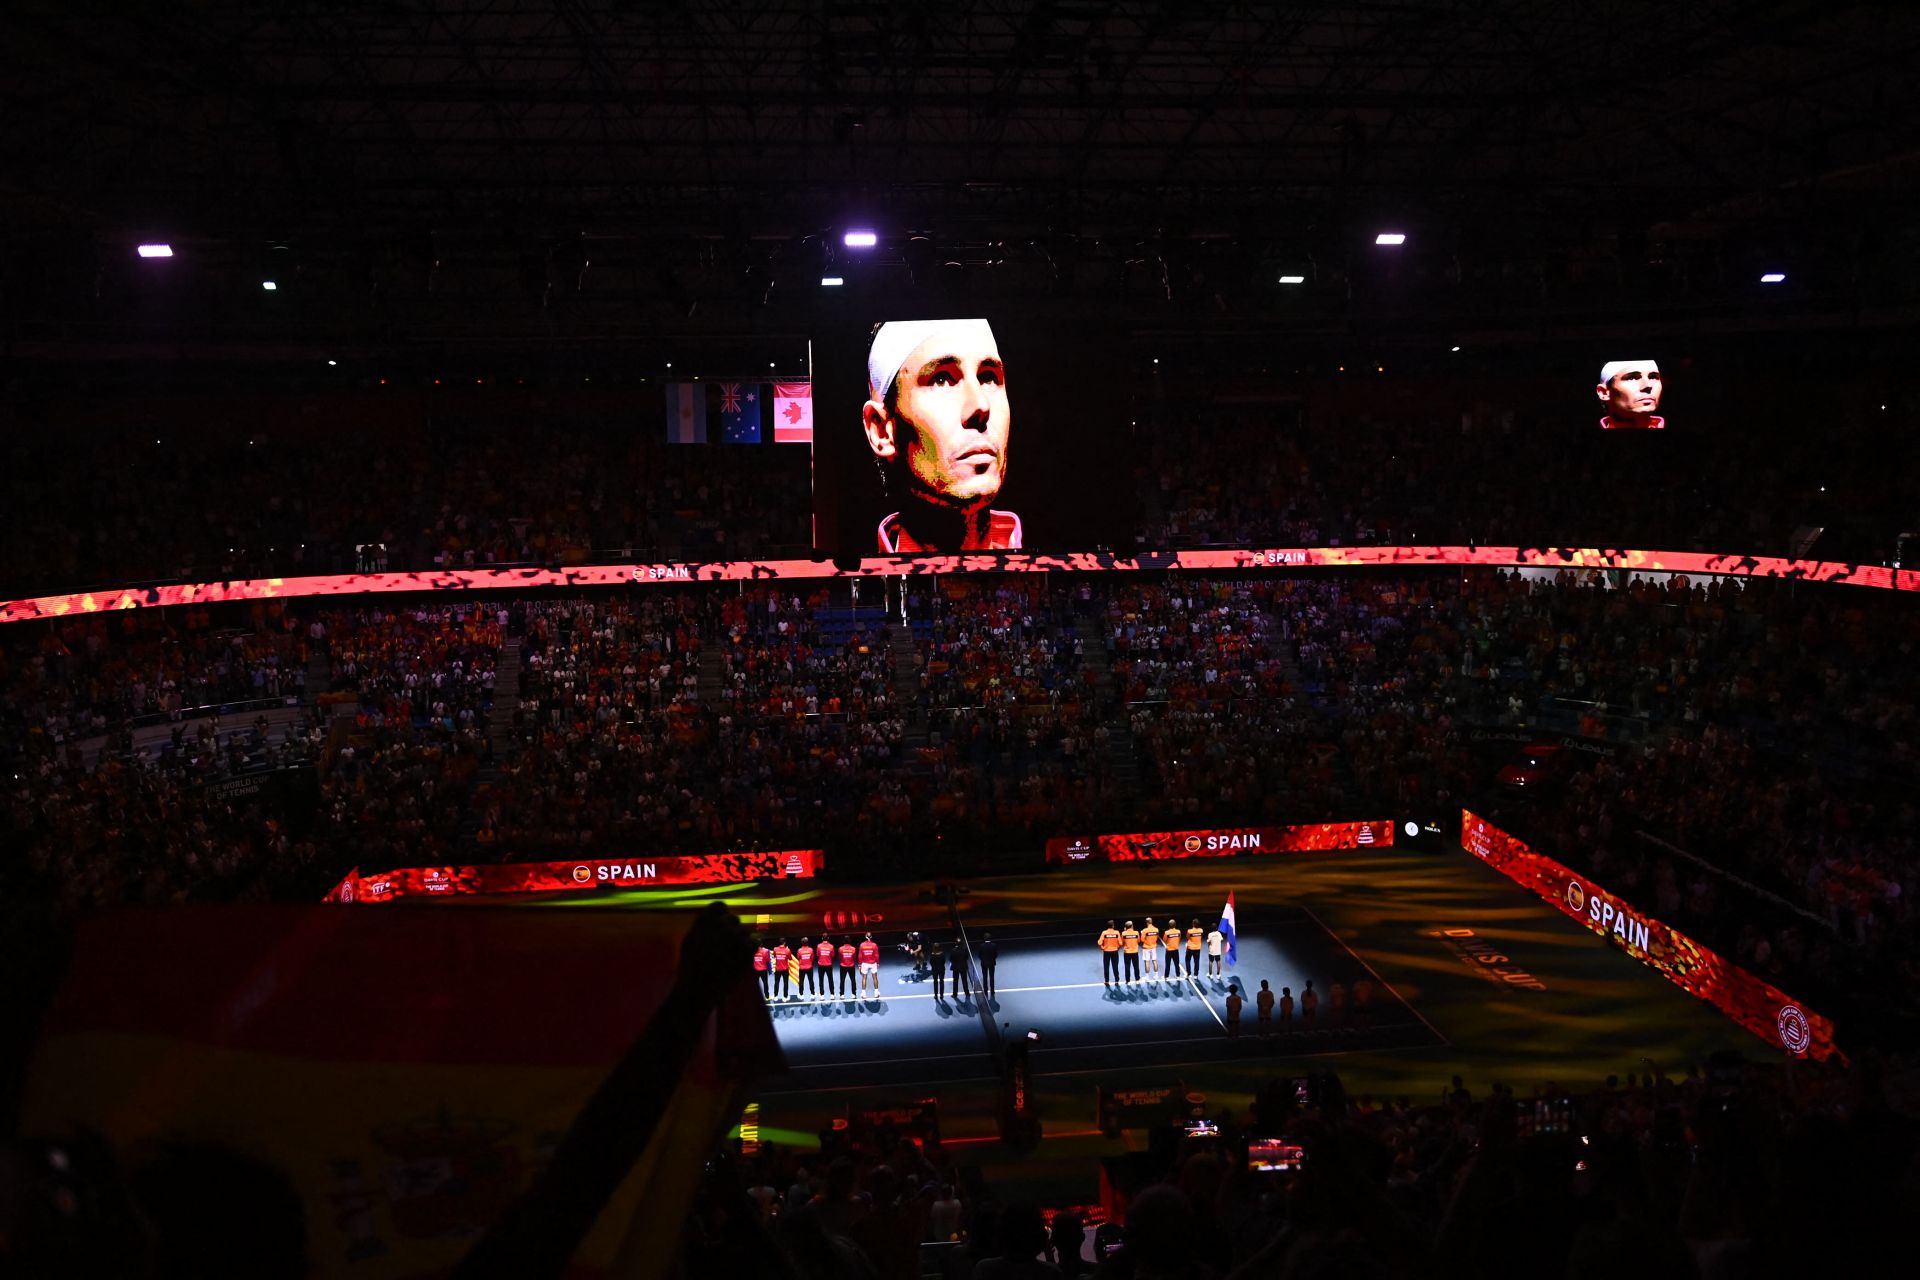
[{"x": 1795, "y": 1033}]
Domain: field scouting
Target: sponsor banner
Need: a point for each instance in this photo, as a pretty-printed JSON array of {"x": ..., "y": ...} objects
[
  {"x": 586, "y": 873},
  {"x": 608, "y": 575},
  {"x": 1220, "y": 842},
  {"x": 1761, "y": 1008}
]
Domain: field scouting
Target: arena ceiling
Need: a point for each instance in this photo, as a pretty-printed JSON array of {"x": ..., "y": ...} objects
[{"x": 674, "y": 154}]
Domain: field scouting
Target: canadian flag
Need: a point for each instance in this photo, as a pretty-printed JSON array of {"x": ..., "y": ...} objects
[{"x": 793, "y": 413}]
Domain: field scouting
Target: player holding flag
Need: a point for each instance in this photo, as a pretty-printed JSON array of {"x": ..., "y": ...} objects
[{"x": 1227, "y": 930}]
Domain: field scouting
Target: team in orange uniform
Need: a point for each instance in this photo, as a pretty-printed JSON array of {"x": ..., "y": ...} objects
[
  {"x": 1172, "y": 938},
  {"x": 1150, "y": 948},
  {"x": 1195, "y": 936},
  {"x": 1109, "y": 944},
  {"x": 1130, "y": 948}
]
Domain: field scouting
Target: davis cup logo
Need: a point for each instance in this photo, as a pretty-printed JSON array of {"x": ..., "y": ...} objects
[
  {"x": 1193, "y": 844},
  {"x": 1366, "y": 834},
  {"x": 1795, "y": 1033},
  {"x": 1576, "y": 897},
  {"x": 582, "y": 874}
]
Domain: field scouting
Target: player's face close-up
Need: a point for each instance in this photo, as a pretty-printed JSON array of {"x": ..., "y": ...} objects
[
  {"x": 951, "y": 422},
  {"x": 1634, "y": 391}
]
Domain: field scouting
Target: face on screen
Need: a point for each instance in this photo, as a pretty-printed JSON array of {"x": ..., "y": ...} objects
[
  {"x": 945, "y": 434},
  {"x": 1633, "y": 390}
]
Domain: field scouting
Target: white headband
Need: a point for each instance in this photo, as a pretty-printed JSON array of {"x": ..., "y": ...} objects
[
  {"x": 896, "y": 340},
  {"x": 1612, "y": 367}
]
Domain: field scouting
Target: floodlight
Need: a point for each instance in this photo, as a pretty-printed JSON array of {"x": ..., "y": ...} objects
[{"x": 155, "y": 251}]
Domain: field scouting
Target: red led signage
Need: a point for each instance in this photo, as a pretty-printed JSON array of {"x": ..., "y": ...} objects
[
  {"x": 1218, "y": 842},
  {"x": 1765, "y": 1010},
  {"x": 607, "y": 575},
  {"x": 589, "y": 873}
]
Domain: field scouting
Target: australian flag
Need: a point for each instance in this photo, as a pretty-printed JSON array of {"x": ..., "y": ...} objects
[
  {"x": 1226, "y": 930},
  {"x": 740, "y": 412}
]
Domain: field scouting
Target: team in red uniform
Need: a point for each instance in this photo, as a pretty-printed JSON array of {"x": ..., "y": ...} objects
[
  {"x": 760, "y": 959},
  {"x": 781, "y": 955},
  {"x": 869, "y": 966},
  {"x": 848, "y": 952},
  {"x": 806, "y": 968}
]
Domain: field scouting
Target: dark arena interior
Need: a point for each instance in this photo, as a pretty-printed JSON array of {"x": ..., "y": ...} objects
[{"x": 816, "y": 640}]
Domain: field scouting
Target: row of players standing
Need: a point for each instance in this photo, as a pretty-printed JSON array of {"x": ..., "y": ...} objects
[
  {"x": 789, "y": 972},
  {"x": 1133, "y": 945}
]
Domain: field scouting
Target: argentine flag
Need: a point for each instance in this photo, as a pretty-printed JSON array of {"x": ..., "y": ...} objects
[{"x": 1226, "y": 929}]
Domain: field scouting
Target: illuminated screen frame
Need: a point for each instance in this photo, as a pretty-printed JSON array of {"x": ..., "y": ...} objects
[{"x": 611, "y": 575}]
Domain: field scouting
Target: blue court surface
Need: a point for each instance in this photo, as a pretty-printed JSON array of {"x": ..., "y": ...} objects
[{"x": 1048, "y": 979}]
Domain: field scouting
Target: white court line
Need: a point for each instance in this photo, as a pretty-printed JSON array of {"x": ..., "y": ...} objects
[
  {"x": 1377, "y": 978},
  {"x": 1079, "y": 1071},
  {"x": 997, "y": 992},
  {"x": 1195, "y": 984}
]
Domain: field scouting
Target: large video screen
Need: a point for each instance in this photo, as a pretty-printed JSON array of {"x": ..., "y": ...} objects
[
  {"x": 939, "y": 433},
  {"x": 1630, "y": 392}
]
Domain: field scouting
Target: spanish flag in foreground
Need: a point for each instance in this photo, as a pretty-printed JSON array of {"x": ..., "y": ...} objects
[{"x": 408, "y": 1071}]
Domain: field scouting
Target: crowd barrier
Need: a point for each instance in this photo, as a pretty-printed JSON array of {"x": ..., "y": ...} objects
[
  {"x": 1758, "y": 1006},
  {"x": 582, "y": 873},
  {"x": 1209, "y": 561},
  {"x": 1217, "y": 842}
]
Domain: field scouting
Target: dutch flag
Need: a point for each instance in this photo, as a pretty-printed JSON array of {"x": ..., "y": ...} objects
[{"x": 1226, "y": 929}]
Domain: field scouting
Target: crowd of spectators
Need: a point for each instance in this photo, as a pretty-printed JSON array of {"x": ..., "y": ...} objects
[
  {"x": 1724, "y": 1169},
  {"x": 781, "y": 660},
  {"x": 1018, "y": 744},
  {"x": 1323, "y": 474},
  {"x": 214, "y": 504},
  {"x": 77, "y": 677},
  {"x": 1747, "y": 742},
  {"x": 537, "y": 487}
]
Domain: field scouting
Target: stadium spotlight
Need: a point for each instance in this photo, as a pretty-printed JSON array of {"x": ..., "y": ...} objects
[
  {"x": 1456, "y": 348},
  {"x": 155, "y": 251},
  {"x": 332, "y": 363},
  {"x": 1774, "y": 277},
  {"x": 269, "y": 285},
  {"x": 1391, "y": 237},
  {"x": 831, "y": 282},
  {"x": 1293, "y": 279},
  {"x": 860, "y": 239}
]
